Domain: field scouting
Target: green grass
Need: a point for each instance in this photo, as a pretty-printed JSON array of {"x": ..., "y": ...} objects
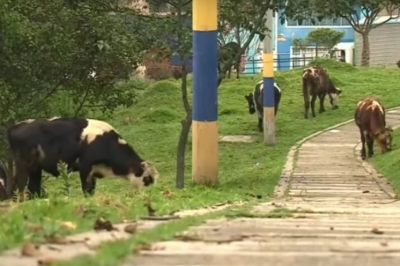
[
  {"x": 388, "y": 163},
  {"x": 245, "y": 169}
]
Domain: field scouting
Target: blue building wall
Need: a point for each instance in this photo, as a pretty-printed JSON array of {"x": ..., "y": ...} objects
[{"x": 287, "y": 32}]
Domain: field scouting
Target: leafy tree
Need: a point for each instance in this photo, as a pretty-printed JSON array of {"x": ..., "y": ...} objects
[
  {"x": 324, "y": 37},
  {"x": 74, "y": 51},
  {"x": 174, "y": 30},
  {"x": 243, "y": 15},
  {"x": 352, "y": 11}
]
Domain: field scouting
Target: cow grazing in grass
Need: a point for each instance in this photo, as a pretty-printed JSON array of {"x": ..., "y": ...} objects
[
  {"x": 92, "y": 147},
  {"x": 370, "y": 119},
  {"x": 316, "y": 83},
  {"x": 255, "y": 101},
  {"x": 227, "y": 53}
]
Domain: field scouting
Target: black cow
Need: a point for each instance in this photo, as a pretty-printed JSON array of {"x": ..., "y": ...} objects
[
  {"x": 317, "y": 83},
  {"x": 92, "y": 147},
  {"x": 255, "y": 101}
]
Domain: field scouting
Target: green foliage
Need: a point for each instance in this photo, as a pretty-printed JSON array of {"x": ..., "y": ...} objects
[
  {"x": 324, "y": 37},
  {"x": 50, "y": 46},
  {"x": 388, "y": 164},
  {"x": 319, "y": 37},
  {"x": 299, "y": 44}
]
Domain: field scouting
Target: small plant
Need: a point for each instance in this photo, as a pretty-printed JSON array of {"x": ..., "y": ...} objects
[{"x": 66, "y": 177}]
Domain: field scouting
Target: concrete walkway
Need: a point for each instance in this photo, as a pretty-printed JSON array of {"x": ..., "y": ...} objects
[{"x": 343, "y": 214}]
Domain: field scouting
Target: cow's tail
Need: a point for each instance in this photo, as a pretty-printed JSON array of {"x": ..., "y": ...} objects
[{"x": 307, "y": 76}]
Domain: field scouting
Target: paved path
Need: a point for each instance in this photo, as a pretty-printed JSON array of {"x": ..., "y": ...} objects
[{"x": 343, "y": 214}]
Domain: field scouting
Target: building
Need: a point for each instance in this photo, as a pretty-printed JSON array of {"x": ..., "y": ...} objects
[
  {"x": 287, "y": 58},
  {"x": 384, "y": 42}
]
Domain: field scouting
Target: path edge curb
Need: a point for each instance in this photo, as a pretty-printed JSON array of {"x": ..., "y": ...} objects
[{"x": 287, "y": 171}]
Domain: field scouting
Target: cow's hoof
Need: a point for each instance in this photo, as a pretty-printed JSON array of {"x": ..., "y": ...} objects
[{"x": 370, "y": 155}]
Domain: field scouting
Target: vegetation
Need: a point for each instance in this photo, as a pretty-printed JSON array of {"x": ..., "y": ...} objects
[
  {"x": 361, "y": 15},
  {"x": 152, "y": 127},
  {"x": 388, "y": 164},
  {"x": 324, "y": 37}
]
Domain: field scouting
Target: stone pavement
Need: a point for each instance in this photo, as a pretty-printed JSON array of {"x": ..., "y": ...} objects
[{"x": 343, "y": 213}]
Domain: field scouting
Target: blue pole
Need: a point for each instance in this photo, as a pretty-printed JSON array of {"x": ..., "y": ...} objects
[{"x": 205, "y": 95}]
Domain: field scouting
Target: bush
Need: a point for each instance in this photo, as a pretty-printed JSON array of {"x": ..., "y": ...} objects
[{"x": 159, "y": 72}]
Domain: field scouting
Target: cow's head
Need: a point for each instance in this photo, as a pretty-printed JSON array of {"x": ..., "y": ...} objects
[
  {"x": 384, "y": 139},
  {"x": 147, "y": 175},
  {"x": 250, "y": 101},
  {"x": 334, "y": 98}
]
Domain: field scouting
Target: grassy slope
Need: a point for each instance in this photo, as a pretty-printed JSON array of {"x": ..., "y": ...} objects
[
  {"x": 388, "y": 164},
  {"x": 244, "y": 168}
]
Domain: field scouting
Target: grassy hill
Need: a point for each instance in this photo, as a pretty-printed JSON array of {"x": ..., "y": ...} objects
[{"x": 152, "y": 126}]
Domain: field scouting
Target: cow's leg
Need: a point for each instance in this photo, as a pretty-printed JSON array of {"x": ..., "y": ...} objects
[
  {"x": 321, "y": 102},
  {"x": 260, "y": 124},
  {"x": 306, "y": 106},
  {"x": 370, "y": 144},
  {"x": 35, "y": 183},
  {"x": 229, "y": 71},
  {"x": 88, "y": 181},
  {"x": 313, "y": 99},
  {"x": 363, "y": 153},
  {"x": 20, "y": 180}
]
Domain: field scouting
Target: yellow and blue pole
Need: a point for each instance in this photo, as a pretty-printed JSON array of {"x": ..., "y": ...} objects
[
  {"x": 205, "y": 94},
  {"x": 268, "y": 81}
]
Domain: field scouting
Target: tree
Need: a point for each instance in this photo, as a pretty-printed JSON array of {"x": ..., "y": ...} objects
[
  {"x": 174, "y": 30},
  {"x": 74, "y": 51},
  {"x": 324, "y": 37},
  {"x": 360, "y": 14},
  {"x": 247, "y": 16}
]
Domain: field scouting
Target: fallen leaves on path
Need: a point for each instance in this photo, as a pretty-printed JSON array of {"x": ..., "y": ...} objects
[
  {"x": 47, "y": 261},
  {"x": 376, "y": 231},
  {"x": 68, "y": 225},
  {"x": 131, "y": 228},
  {"x": 103, "y": 224},
  {"x": 147, "y": 247},
  {"x": 30, "y": 250}
]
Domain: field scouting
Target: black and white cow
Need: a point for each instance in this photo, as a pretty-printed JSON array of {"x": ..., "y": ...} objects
[
  {"x": 92, "y": 147},
  {"x": 255, "y": 101}
]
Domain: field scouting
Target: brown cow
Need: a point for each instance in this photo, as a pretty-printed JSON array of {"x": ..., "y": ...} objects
[
  {"x": 370, "y": 119},
  {"x": 316, "y": 82}
]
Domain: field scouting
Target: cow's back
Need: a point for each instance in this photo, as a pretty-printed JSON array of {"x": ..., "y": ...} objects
[{"x": 369, "y": 112}]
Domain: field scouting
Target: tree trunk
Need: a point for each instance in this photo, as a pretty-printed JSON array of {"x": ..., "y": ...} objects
[
  {"x": 183, "y": 137},
  {"x": 365, "y": 49}
]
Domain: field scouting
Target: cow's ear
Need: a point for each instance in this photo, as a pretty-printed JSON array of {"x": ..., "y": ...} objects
[{"x": 338, "y": 91}]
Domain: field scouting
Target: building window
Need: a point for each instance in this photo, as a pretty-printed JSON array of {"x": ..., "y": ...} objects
[
  {"x": 300, "y": 58},
  {"x": 324, "y": 22}
]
